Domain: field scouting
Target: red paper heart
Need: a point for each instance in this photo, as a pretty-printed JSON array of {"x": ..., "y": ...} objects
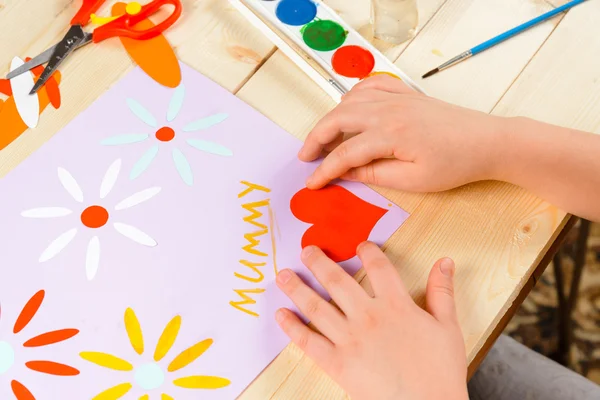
[{"x": 341, "y": 220}]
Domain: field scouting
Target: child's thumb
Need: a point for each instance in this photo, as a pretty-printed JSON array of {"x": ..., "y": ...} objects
[{"x": 440, "y": 292}]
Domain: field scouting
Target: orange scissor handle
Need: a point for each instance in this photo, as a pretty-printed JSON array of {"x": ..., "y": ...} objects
[
  {"x": 124, "y": 25},
  {"x": 87, "y": 9}
]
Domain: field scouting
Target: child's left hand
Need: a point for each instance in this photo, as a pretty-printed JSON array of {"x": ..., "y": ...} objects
[{"x": 384, "y": 347}]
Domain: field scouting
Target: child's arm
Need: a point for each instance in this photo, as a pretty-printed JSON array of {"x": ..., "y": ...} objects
[
  {"x": 398, "y": 138},
  {"x": 383, "y": 347},
  {"x": 558, "y": 164}
]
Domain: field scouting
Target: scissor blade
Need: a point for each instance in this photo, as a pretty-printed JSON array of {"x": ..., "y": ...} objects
[
  {"x": 34, "y": 62},
  {"x": 40, "y": 59},
  {"x": 65, "y": 47}
]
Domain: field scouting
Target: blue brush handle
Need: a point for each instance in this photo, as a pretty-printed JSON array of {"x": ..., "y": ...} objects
[{"x": 507, "y": 35}]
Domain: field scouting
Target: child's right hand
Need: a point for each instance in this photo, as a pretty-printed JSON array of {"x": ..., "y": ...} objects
[
  {"x": 380, "y": 347},
  {"x": 399, "y": 138}
]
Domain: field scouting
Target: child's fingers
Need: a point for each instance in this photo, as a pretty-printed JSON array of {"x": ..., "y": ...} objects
[
  {"x": 387, "y": 173},
  {"x": 353, "y": 153},
  {"x": 345, "y": 118},
  {"x": 440, "y": 292},
  {"x": 342, "y": 288},
  {"x": 384, "y": 83},
  {"x": 314, "y": 345},
  {"x": 324, "y": 316},
  {"x": 381, "y": 272},
  {"x": 367, "y": 96}
]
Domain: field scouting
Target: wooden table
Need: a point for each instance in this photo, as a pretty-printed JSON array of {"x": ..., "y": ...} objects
[{"x": 498, "y": 234}]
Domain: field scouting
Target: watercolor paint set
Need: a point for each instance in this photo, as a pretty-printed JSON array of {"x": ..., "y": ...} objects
[{"x": 327, "y": 39}]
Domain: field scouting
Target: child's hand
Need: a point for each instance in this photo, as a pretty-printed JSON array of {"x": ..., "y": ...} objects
[
  {"x": 400, "y": 138},
  {"x": 384, "y": 347}
]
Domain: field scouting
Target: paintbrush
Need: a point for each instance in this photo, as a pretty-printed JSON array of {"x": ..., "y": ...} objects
[{"x": 502, "y": 37}]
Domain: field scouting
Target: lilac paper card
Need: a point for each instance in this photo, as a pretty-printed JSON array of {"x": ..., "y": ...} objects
[{"x": 153, "y": 224}]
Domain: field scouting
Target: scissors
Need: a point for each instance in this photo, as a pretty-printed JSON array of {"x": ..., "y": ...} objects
[{"x": 76, "y": 37}]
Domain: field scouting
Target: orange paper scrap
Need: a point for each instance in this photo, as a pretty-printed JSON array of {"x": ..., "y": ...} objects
[
  {"x": 155, "y": 56},
  {"x": 11, "y": 124}
]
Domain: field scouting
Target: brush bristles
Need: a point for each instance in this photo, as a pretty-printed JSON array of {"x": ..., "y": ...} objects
[{"x": 432, "y": 72}]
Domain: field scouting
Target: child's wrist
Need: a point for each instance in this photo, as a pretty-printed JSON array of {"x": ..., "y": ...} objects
[{"x": 509, "y": 144}]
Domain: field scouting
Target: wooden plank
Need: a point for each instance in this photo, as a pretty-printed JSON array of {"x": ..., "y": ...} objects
[
  {"x": 561, "y": 85},
  {"x": 217, "y": 41},
  {"x": 569, "y": 222},
  {"x": 211, "y": 37},
  {"x": 309, "y": 383},
  {"x": 33, "y": 34},
  {"x": 283, "y": 81},
  {"x": 461, "y": 24},
  {"x": 557, "y": 3},
  {"x": 270, "y": 380}
]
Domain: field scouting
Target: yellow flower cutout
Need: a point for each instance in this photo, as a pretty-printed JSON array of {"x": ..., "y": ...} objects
[{"x": 151, "y": 376}]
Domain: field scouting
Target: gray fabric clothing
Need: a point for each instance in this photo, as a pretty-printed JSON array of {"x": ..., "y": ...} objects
[{"x": 512, "y": 371}]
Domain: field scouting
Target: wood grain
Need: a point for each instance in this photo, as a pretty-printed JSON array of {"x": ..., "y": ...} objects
[
  {"x": 561, "y": 85},
  {"x": 458, "y": 26},
  {"x": 497, "y": 233},
  {"x": 562, "y": 234}
]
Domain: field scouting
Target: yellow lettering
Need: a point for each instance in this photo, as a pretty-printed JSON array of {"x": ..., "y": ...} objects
[
  {"x": 255, "y": 214},
  {"x": 247, "y": 296},
  {"x": 251, "y": 187},
  {"x": 246, "y": 300},
  {"x": 253, "y": 243},
  {"x": 272, "y": 224},
  {"x": 253, "y": 267}
]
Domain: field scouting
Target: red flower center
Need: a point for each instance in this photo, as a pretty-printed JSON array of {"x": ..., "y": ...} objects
[
  {"x": 165, "y": 134},
  {"x": 94, "y": 217}
]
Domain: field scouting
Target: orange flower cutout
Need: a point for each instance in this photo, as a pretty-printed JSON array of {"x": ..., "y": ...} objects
[
  {"x": 7, "y": 353},
  {"x": 10, "y": 120}
]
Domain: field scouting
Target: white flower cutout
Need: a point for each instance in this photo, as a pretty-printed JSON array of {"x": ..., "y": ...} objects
[
  {"x": 163, "y": 134},
  {"x": 93, "y": 217},
  {"x": 28, "y": 106}
]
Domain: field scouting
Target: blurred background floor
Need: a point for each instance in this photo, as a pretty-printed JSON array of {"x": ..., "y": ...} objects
[{"x": 535, "y": 323}]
